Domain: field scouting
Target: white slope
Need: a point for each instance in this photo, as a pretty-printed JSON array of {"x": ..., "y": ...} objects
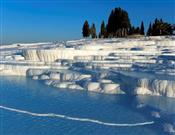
[{"x": 86, "y": 57}]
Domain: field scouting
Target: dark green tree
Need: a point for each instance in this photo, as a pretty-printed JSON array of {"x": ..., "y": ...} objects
[
  {"x": 99, "y": 35},
  {"x": 93, "y": 31},
  {"x": 149, "y": 32},
  {"x": 142, "y": 29},
  {"x": 103, "y": 32},
  {"x": 155, "y": 30},
  {"x": 133, "y": 30},
  {"x": 161, "y": 28},
  {"x": 118, "y": 23},
  {"x": 137, "y": 30},
  {"x": 130, "y": 32},
  {"x": 86, "y": 30}
]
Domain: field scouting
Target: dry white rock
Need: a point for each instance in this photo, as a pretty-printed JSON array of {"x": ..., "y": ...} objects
[
  {"x": 62, "y": 85},
  {"x": 18, "y": 57},
  {"x": 35, "y": 77},
  {"x": 111, "y": 88},
  {"x": 34, "y": 72},
  {"x": 9, "y": 57},
  {"x": 48, "y": 82},
  {"x": 75, "y": 86},
  {"x": 44, "y": 77},
  {"x": 142, "y": 91},
  {"x": 54, "y": 76},
  {"x": 93, "y": 86},
  {"x": 105, "y": 81},
  {"x": 83, "y": 76}
]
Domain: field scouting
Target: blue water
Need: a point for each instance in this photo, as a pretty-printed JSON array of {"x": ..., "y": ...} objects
[{"x": 33, "y": 96}]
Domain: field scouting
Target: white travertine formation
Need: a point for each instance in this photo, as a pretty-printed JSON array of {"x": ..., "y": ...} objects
[
  {"x": 93, "y": 64},
  {"x": 156, "y": 87},
  {"x": 54, "y": 76},
  {"x": 93, "y": 86},
  {"x": 35, "y": 77},
  {"x": 44, "y": 77},
  {"x": 75, "y": 87},
  {"x": 111, "y": 88}
]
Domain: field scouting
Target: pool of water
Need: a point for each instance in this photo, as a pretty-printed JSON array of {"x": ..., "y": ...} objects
[{"x": 28, "y": 107}]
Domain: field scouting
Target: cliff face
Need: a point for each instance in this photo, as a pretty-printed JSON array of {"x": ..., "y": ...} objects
[
  {"x": 145, "y": 84},
  {"x": 156, "y": 87},
  {"x": 13, "y": 70},
  {"x": 59, "y": 54}
]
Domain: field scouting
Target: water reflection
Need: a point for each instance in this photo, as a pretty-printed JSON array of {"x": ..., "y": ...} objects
[
  {"x": 34, "y": 96},
  {"x": 164, "y": 104}
]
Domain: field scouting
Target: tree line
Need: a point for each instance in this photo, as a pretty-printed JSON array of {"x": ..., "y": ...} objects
[{"x": 119, "y": 25}]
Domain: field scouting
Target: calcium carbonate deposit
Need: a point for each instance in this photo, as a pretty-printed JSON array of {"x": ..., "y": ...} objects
[{"x": 114, "y": 66}]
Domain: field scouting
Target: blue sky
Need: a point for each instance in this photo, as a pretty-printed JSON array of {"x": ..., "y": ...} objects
[{"x": 53, "y": 20}]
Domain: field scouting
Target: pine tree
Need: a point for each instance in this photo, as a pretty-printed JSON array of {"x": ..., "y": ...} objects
[
  {"x": 130, "y": 32},
  {"x": 161, "y": 28},
  {"x": 93, "y": 31},
  {"x": 149, "y": 32},
  {"x": 99, "y": 35},
  {"x": 155, "y": 30},
  {"x": 86, "y": 30},
  {"x": 103, "y": 31},
  {"x": 137, "y": 30},
  {"x": 142, "y": 31},
  {"x": 118, "y": 23}
]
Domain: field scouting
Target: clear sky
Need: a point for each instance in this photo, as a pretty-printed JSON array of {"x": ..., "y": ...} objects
[{"x": 53, "y": 20}]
